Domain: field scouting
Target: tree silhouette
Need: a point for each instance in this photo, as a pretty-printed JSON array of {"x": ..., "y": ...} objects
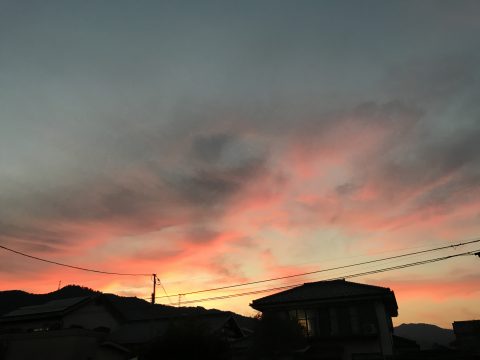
[
  {"x": 188, "y": 339},
  {"x": 276, "y": 336}
]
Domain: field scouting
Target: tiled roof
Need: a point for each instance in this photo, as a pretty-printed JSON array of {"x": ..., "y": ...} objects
[
  {"x": 49, "y": 307},
  {"x": 324, "y": 291}
]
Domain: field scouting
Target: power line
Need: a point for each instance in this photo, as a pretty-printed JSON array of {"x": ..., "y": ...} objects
[
  {"x": 328, "y": 269},
  {"x": 165, "y": 291},
  {"x": 71, "y": 266},
  {"x": 417, "y": 263}
]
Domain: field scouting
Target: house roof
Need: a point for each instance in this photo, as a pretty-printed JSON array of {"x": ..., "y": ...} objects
[
  {"x": 402, "y": 343},
  {"x": 51, "y": 307},
  {"x": 466, "y": 327},
  {"x": 58, "y": 308},
  {"x": 327, "y": 291}
]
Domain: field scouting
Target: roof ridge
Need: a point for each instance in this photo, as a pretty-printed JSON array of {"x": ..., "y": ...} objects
[
  {"x": 323, "y": 291},
  {"x": 344, "y": 281},
  {"x": 52, "y": 306}
]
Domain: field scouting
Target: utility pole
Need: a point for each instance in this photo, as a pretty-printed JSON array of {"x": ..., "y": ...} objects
[{"x": 154, "y": 285}]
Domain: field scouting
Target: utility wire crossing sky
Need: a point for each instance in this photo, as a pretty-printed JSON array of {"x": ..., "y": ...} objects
[
  {"x": 348, "y": 276},
  {"x": 397, "y": 267}
]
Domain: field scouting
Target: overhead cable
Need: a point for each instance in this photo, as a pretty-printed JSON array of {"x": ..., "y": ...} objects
[
  {"x": 72, "y": 266},
  {"x": 326, "y": 270},
  {"x": 417, "y": 263}
]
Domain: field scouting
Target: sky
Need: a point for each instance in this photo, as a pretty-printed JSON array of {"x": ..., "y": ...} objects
[{"x": 223, "y": 142}]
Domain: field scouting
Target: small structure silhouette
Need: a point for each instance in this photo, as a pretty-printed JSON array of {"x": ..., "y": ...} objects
[{"x": 467, "y": 336}]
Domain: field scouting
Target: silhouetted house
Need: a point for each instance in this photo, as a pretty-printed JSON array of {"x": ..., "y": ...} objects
[
  {"x": 467, "y": 336},
  {"x": 76, "y": 328},
  {"x": 100, "y": 327},
  {"x": 342, "y": 319}
]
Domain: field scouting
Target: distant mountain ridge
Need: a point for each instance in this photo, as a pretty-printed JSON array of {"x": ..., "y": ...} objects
[
  {"x": 427, "y": 336},
  {"x": 133, "y": 307}
]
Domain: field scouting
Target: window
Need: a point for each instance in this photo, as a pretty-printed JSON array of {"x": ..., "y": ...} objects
[
  {"x": 343, "y": 317},
  {"x": 324, "y": 325},
  {"x": 367, "y": 356},
  {"x": 354, "y": 320},
  {"x": 340, "y": 320},
  {"x": 367, "y": 319},
  {"x": 358, "y": 319},
  {"x": 307, "y": 319}
]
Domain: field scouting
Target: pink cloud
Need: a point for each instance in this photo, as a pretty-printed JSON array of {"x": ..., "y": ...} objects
[{"x": 434, "y": 289}]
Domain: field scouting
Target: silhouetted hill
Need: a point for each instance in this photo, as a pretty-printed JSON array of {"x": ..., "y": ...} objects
[
  {"x": 426, "y": 335},
  {"x": 131, "y": 308}
]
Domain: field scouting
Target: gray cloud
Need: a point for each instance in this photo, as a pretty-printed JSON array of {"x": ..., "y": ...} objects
[
  {"x": 217, "y": 167},
  {"x": 446, "y": 140},
  {"x": 442, "y": 80},
  {"x": 431, "y": 164},
  {"x": 32, "y": 233},
  {"x": 149, "y": 198},
  {"x": 210, "y": 148}
]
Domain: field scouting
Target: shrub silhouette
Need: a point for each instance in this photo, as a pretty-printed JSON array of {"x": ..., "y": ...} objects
[
  {"x": 276, "y": 337},
  {"x": 188, "y": 339}
]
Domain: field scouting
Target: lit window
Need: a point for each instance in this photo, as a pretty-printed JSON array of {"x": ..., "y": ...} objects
[{"x": 307, "y": 319}]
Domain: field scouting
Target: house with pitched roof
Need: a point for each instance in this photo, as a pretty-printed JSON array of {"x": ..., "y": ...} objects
[
  {"x": 87, "y": 312},
  {"x": 75, "y": 328},
  {"x": 100, "y": 326},
  {"x": 341, "y": 319}
]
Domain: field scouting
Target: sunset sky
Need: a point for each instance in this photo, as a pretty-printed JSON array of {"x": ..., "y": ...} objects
[{"x": 223, "y": 142}]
